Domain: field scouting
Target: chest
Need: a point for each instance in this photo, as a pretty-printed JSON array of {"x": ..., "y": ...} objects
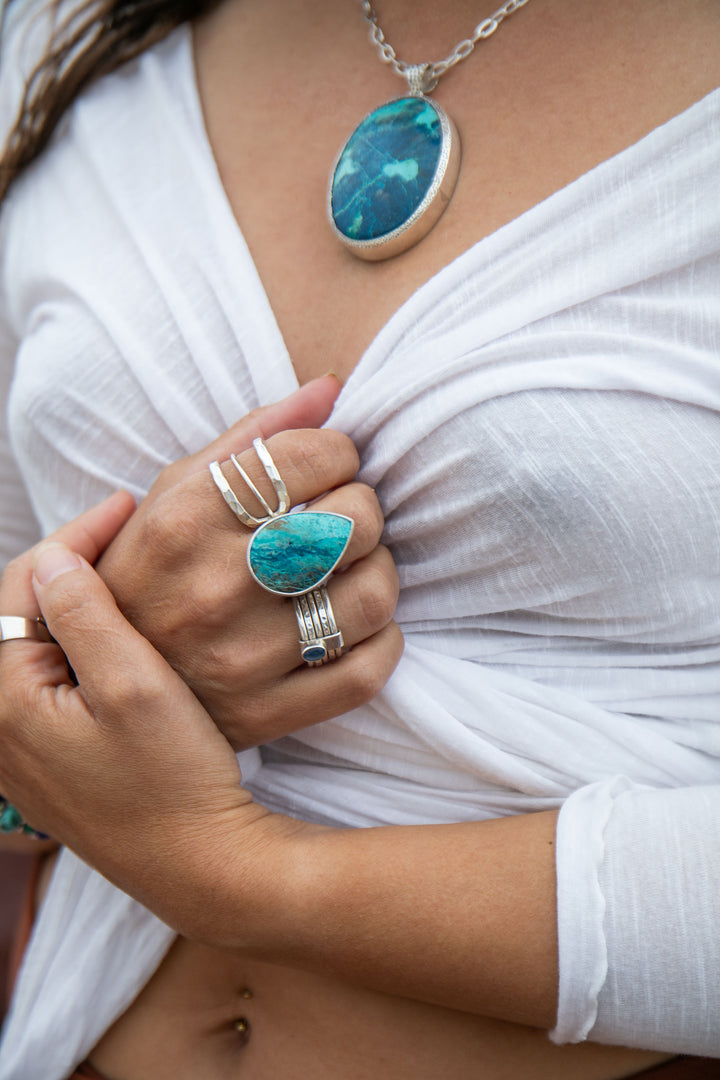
[{"x": 558, "y": 89}]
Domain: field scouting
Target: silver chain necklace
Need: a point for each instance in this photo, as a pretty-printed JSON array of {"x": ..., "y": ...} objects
[
  {"x": 397, "y": 172},
  {"x": 433, "y": 72}
]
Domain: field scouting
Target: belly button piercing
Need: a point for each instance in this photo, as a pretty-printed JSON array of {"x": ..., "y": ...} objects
[{"x": 242, "y": 1027}]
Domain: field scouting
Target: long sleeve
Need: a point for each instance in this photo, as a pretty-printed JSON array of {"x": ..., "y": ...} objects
[{"x": 639, "y": 911}]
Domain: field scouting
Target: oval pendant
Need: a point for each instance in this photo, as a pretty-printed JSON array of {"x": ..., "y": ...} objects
[{"x": 394, "y": 177}]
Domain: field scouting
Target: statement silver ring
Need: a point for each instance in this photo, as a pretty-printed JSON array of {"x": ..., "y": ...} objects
[
  {"x": 16, "y": 627},
  {"x": 320, "y": 638},
  {"x": 273, "y": 475},
  {"x": 288, "y": 554}
]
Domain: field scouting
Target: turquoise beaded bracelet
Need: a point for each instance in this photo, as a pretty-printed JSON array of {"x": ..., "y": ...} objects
[{"x": 12, "y": 821}]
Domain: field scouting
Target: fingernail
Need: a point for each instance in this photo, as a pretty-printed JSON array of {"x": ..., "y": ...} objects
[
  {"x": 333, "y": 375},
  {"x": 52, "y": 560}
]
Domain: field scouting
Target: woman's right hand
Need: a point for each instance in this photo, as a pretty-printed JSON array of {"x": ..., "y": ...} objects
[{"x": 178, "y": 572}]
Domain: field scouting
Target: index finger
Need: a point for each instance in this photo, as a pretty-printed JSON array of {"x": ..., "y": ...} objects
[
  {"x": 310, "y": 464},
  {"x": 308, "y": 407}
]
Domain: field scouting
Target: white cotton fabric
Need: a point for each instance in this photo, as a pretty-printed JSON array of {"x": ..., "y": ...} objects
[{"x": 541, "y": 421}]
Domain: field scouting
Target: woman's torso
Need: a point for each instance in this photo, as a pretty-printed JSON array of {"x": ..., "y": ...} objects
[{"x": 551, "y": 88}]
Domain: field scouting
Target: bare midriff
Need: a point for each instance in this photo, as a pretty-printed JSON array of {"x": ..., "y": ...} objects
[
  {"x": 208, "y": 1015},
  {"x": 212, "y": 1015}
]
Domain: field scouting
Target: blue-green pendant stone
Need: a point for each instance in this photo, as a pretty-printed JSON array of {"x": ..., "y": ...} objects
[
  {"x": 297, "y": 552},
  {"x": 386, "y": 168}
]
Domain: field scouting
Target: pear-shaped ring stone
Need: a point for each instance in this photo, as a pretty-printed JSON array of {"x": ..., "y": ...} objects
[{"x": 295, "y": 553}]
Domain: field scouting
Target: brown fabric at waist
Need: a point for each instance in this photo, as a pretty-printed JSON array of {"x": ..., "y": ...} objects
[
  {"x": 683, "y": 1068},
  {"x": 86, "y": 1071},
  {"x": 24, "y": 926}
]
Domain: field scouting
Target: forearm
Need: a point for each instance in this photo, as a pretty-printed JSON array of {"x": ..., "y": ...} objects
[{"x": 458, "y": 915}]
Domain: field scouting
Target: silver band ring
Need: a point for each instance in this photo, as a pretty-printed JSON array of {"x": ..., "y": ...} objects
[
  {"x": 320, "y": 638},
  {"x": 16, "y": 627},
  {"x": 274, "y": 477}
]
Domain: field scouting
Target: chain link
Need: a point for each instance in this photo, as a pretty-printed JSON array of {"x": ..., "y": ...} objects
[{"x": 433, "y": 71}]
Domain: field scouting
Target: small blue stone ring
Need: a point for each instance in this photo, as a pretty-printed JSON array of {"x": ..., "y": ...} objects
[{"x": 320, "y": 639}]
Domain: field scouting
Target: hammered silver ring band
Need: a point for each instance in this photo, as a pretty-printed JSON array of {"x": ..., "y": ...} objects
[{"x": 272, "y": 474}]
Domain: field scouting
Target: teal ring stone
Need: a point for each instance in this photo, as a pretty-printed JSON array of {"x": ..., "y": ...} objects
[
  {"x": 294, "y": 553},
  {"x": 389, "y": 175}
]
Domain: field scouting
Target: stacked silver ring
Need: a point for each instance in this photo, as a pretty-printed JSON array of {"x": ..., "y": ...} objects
[{"x": 320, "y": 638}]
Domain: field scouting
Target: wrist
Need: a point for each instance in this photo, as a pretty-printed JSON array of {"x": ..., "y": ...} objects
[{"x": 244, "y": 886}]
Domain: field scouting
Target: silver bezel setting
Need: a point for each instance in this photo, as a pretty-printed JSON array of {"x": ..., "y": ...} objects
[
  {"x": 320, "y": 581},
  {"x": 430, "y": 210}
]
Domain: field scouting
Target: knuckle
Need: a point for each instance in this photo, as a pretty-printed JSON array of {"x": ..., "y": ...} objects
[
  {"x": 168, "y": 529},
  {"x": 321, "y": 457},
  {"x": 376, "y": 602},
  {"x": 240, "y": 665},
  {"x": 377, "y": 597},
  {"x": 128, "y": 694},
  {"x": 16, "y": 572},
  {"x": 223, "y": 666},
  {"x": 122, "y": 690},
  {"x": 11, "y": 571},
  {"x": 364, "y": 508},
  {"x": 207, "y": 600},
  {"x": 253, "y": 420},
  {"x": 365, "y": 678}
]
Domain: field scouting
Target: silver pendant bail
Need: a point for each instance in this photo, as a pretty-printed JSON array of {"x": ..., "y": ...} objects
[{"x": 421, "y": 79}]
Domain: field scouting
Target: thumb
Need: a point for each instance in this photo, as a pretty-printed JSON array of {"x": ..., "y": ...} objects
[{"x": 82, "y": 616}]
